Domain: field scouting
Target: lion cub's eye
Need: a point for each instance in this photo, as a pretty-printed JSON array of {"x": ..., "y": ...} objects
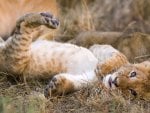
[{"x": 133, "y": 74}]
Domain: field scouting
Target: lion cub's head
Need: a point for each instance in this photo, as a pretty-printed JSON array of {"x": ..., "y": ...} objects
[{"x": 132, "y": 77}]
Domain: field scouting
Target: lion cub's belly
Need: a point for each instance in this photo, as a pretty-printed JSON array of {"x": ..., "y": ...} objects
[{"x": 53, "y": 57}]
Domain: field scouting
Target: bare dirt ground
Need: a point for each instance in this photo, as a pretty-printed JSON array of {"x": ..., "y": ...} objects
[{"x": 82, "y": 16}]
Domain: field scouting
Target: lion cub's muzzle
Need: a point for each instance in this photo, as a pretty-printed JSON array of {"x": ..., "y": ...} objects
[{"x": 110, "y": 81}]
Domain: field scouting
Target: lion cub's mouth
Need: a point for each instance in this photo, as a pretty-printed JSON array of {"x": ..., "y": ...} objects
[{"x": 110, "y": 81}]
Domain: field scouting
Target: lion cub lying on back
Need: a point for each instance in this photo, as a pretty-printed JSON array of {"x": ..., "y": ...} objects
[{"x": 70, "y": 67}]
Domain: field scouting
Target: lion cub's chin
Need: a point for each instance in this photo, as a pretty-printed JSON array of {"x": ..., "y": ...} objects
[{"x": 110, "y": 81}]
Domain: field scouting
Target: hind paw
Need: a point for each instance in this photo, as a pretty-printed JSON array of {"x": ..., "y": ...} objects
[{"x": 37, "y": 19}]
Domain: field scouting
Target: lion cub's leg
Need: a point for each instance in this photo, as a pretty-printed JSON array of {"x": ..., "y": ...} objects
[
  {"x": 66, "y": 83},
  {"x": 109, "y": 59},
  {"x": 17, "y": 47}
]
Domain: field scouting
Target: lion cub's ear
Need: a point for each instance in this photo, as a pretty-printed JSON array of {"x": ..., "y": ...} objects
[{"x": 146, "y": 66}]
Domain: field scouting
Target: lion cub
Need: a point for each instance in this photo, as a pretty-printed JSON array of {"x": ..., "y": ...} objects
[{"x": 69, "y": 67}]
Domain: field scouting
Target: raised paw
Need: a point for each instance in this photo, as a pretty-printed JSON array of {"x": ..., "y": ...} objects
[
  {"x": 58, "y": 85},
  {"x": 51, "y": 21},
  {"x": 37, "y": 19}
]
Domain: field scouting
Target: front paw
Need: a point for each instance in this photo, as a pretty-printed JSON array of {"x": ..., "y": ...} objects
[{"x": 59, "y": 85}]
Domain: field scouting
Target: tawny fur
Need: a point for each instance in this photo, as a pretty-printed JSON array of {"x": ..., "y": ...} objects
[
  {"x": 20, "y": 56},
  {"x": 109, "y": 59},
  {"x": 133, "y": 78},
  {"x": 70, "y": 67},
  {"x": 11, "y": 10},
  {"x": 115, "y": 71}
]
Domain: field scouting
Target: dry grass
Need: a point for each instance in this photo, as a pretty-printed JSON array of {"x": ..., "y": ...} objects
[
  {"x": 74, "y": 103},
  {"x": 77, "y": 16},
  {"x": 21, "y": 98},
  {"x": 102, "y": 15}
]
